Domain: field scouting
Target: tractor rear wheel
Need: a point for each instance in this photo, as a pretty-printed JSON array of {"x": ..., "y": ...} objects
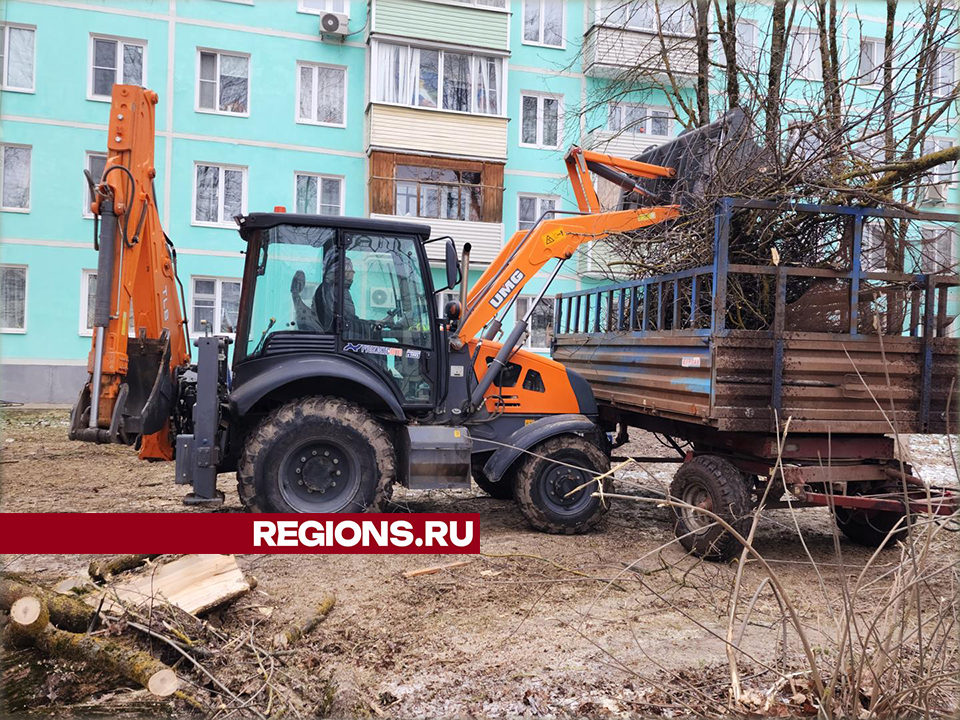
[
  {"x": 554, "y": 487},
  {"x": 317, "y": 455},
  {"x": 501, "y": 490},
  {"x": 711, "y": 483}
]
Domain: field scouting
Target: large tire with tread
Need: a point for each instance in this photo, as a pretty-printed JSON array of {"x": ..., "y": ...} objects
[
  {"x": 714, "y": 484},
  {"x": 871, "y": 527},
  {"x": 541, "y": 485},
  {"x": 501, "y": 490},
  {"x": 317, "y": 454}
]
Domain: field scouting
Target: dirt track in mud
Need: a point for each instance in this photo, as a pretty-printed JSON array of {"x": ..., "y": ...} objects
[{"x": 533, "y": 626}]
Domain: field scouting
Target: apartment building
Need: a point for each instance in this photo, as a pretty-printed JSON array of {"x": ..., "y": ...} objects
[{"x": 454, "y": 111}]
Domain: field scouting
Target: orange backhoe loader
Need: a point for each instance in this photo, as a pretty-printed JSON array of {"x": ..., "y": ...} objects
[{"x": 343, "y": 379}]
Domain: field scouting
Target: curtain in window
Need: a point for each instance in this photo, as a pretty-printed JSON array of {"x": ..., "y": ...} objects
[
  {"x": 489, "y": 82},
  {"x": 233, "y": 83},
  {"x": 306, "y": 92},
  {"x": 552, "y": 22},
  {"x": 330, "y": 95},
  {"x": 428, "y": 80},
  {"x": 232, "y": 194},
  {"x": 132, "y": 65},
  {"x": 456, "y": 81},
  {"x": 229, "y": 306},
  {"x": 16, "y": 177},
  {"x": 330, "y": 196},
  {"x": 208, "y": 81},
  {"x": 397, "y": 67},
  {"x": 208, "y": 193},
  {"x": 13, "y": 297},
  {"x": 20, "y": 58},
  {"x": 306, "y": 194}
]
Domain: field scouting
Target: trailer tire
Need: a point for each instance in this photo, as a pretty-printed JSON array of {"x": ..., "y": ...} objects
[
  {"x": 291, "y": 459},
  {"x": 716, "y": 485},
  {"x": 501, "y": 490},
  {"x": 541, "y": 483}
]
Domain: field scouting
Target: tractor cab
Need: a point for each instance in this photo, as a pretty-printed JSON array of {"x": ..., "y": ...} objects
[{"x": 355, "y": 288}]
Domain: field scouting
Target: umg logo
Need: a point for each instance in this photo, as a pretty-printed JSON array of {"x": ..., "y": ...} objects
[{"x": 504, "y": 292}]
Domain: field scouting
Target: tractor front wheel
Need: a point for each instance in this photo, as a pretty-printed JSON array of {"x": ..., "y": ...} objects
[
  {"x": 555, "y": 486},
  {"x": 317, "y": 455}
]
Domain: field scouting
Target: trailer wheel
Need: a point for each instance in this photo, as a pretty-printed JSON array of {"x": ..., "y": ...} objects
[
  {"x": 871, "y": 527},
  {"x": 501, "y": 490},
  {"x": 544, "y": 481},
  {"x": 714, "y": 484},
  {"x": 317, "y": 455}
]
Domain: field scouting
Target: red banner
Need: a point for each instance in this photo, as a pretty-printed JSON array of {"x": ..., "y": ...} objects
[{"x": 223, "y": 533}]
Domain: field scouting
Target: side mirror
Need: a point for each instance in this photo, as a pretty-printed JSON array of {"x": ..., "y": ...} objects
[{"x": 453, "y": 266}]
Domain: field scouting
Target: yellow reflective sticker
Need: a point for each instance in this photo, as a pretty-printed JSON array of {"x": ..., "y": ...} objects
[
  {"x": 456, "y": 433},
  {"x": 123, "y": 324},
  {"x": 551, "y": 237},
  {"x": 528, "y": 421}
]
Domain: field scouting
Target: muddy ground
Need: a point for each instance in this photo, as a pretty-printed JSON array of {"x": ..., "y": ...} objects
[{"x": 533, "y": 626}]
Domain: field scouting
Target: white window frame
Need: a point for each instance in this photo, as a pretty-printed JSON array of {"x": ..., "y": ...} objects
[
  {"x": 501, "y": 101},
  {"x": 540, "y": 98},
  {"x": 227, "y": 223},
  {"x": 218, "y": 281},
  {"x": 799, "y": 66},
  {"x": 647, "y": 123},
  {"x": 937, "y": 88},
  {"x": 121, "y": 42},
  {"x": 539, "y": 198},
  {"x": 877, "y": 72},
  {"x": 26, "y": 299},
  {"x": 85, "y": 275},
  {"x": 217, "y": 110},
  {"x": 540, "y": 42},
  {"x": 951, "y": 239},
  {"x": 320, "y": 178},
  {"x": 302, "y": 8},
  {"x": 527, "y": 341},
  {"x": 5, "y": 29},
  {"x": 752, "y": 64},
  {"x": 942, "y": 142},
  {"x": 87, "y": 200},
  {"x": 314, "y": 65},
  {"x": 23, "y": 210},
  {"x": 608, "y": 7}
]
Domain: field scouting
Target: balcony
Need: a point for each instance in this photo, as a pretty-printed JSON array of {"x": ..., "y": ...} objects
[
  {"x": 486, "y": 239},
  {"x": 475, "y": 26},
  {"x": 611, "y": 51},
  {"x": 436, "y": 132}
]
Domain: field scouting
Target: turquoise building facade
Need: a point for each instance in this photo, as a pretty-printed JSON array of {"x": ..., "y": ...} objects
[{"x": 458, "y": 111}]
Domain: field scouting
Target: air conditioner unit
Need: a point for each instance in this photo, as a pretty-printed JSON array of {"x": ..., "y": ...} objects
[
  {"x": 333, "y": 24},
  {"x": 381, "y": 299},
  {"x": 937, "y": 192}
]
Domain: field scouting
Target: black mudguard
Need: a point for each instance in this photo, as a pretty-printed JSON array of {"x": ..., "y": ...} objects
[{"x": 534, "y": 433}]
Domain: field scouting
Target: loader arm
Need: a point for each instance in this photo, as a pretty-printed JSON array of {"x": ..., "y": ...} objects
[
  {"x": 557, "y": 239},
  {"x": 139, "y": 336}
]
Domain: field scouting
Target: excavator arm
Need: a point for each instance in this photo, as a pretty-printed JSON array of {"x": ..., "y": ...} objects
[
  {"x": 139, "y": 331},
  {"x": 557, "y": 239}
]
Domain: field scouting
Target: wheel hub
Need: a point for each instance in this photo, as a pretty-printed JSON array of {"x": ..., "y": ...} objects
[
  {"x": 562, "y": 484},
  {"x": 317, "y": 471}
]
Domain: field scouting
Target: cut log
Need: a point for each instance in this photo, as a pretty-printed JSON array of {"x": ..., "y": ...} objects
[
  {"x": 65, "y": 612},
  {"x": 101, "y": 570},
  {"x": 193, "y": 583},
  {"x": 29, "y": 616},
  {"x": 293, "y": 634},
  {"x": 112, "y": 656}
]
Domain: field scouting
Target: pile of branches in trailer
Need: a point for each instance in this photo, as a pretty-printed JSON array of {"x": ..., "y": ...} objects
[
  {"x": 157, "y": 635},
  {"x": 874, "y": 130}
]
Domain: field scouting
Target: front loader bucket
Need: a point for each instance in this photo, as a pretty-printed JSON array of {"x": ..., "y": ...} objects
[{"x": 144, "y": 400}]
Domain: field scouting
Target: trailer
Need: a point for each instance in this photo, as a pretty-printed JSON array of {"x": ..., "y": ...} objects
[{"x": 811, "y": 400}]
